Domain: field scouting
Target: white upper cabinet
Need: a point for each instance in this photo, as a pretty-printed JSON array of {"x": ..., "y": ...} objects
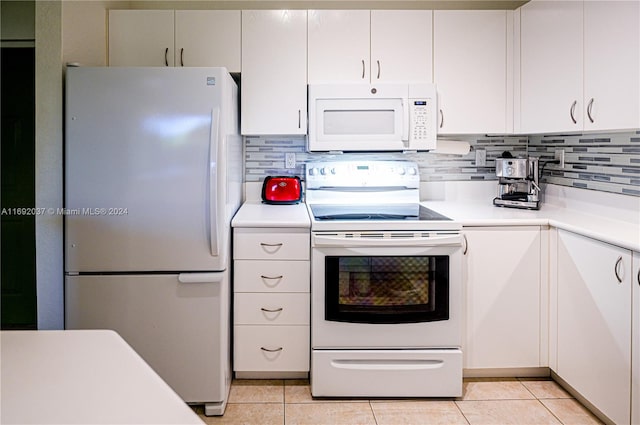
[
  {"x": 362, "y": 46},
  {"x": 401, "y": 46},
  {"x": 470, "y": 71},
  {"x": 141, "y": 38},
  {"x": 208, "y": 38},
  {"x": 611, "y": 65},
  {"x": 180, "y": 38},
  {"x": 274, "y": 72},
  {"x": 580, "y": 66},
  {"x": 551, "y": 66},
  {"x": 339, "y": 43}
]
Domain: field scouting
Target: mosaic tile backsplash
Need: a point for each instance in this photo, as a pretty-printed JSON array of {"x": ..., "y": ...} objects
[{"x": 604, "y": 162}]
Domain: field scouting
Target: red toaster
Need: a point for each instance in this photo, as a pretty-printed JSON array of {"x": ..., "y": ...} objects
[{"x": 285, "y": 190}]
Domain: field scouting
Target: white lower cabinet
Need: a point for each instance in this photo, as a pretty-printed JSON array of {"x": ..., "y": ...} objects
[
  {"x": 635, "y": 345},
  {"x": 594, "y": 322},
  {"x": 503, "y": 282},
  {"x": 271, "y": 302}
]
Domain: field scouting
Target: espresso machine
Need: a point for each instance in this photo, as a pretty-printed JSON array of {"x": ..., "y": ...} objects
[{"x": 517, "y": 182}]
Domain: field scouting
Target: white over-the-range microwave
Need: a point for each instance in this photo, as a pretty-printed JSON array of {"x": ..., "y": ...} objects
[{"x": 376, "y": 117}]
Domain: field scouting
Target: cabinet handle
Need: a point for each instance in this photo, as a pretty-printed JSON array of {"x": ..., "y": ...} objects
[
  {"x": 466, "y": 245},
  {"x": 299, "y": 118},
  {"x": 271, "y": 277},
  {"x": 589, "y": 107},
  {"x": 269, "y": 350},
  {"x": 441, "y": 118},
  {"x": 182, "y": 56},
  {"x": 638, "y": 276},
  {"x": 378, "y": 69},
  {"x": 277, "y": 310},
  {"x": 363, "y": 69},
  {"x": 166, "y": 57},
  {"x": 572, "y": 110},
  {"x": 615, "y": 269}
]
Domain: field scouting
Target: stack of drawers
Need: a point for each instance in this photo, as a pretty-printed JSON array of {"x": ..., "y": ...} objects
[{"x": 271, "y": 302}]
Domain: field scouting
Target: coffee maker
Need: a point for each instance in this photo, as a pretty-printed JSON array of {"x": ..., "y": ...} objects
[{"x": 517, "y": 182}]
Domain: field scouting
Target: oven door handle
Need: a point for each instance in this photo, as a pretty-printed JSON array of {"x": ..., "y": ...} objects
[
  {"x": 341, "y": 241},
  {"x": 387, "y": 364}
]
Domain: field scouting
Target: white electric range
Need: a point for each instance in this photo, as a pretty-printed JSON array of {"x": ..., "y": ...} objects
[{"x": 386, "y": 284}]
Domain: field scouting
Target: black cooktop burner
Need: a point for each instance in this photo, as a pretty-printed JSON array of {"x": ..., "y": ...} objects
[{"x": 375, "y": 212}]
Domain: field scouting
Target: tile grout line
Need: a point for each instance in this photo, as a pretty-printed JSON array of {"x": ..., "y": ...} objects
[{"x": 455, "y": 402}]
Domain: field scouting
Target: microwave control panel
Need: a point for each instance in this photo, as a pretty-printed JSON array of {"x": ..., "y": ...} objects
[{"x": 421, "y": 124}]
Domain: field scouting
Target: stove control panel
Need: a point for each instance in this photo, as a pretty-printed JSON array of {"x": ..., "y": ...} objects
[{"x": 362, "y": 174}]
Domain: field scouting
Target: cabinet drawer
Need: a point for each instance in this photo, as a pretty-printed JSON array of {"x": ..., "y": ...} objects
[
  {"x": 289, "y": 347},
  {"x": 271, "y": 309},
  {"x": 271, "y": 276},
  {"x": 270, "y": 244}
]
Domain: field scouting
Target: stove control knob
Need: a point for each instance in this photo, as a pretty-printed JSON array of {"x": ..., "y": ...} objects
[
  {"x": 333, "y": 170},
  {"x": 412, "y": 171},
  {"x": 323, "y": 171},
  {"x": 312, "y": 171},
  {"x": 401, "y": 171}
]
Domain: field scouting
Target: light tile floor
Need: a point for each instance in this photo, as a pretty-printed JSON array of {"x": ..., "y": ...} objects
[{"x": 485, "y": 401}]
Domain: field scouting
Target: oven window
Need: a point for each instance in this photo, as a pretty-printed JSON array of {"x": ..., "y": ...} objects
[{"x": 386, "y": 289}]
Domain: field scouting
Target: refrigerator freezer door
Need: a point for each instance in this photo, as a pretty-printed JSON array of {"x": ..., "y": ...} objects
[
  {"x": 143, "y": 178},
  {"x": 179, "y": 324}
]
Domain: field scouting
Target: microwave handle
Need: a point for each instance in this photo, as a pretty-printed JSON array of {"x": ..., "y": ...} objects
[{"x": 407, "y": 122}]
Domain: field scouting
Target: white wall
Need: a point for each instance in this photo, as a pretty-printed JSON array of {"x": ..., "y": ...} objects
[{"x": 49, "y": 264}]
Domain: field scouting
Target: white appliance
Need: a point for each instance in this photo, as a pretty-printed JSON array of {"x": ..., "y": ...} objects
[
  {"x": 378, "y": 117},
  {"x": 386, "y": 284},
  {"x": 153, "y": 172}
]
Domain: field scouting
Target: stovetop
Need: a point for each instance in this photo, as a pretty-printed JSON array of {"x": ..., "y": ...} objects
[
  {"x": 415, "y": 212},
  {"x": 381, "y": 217}
]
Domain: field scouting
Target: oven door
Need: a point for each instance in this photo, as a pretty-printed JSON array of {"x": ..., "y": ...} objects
[{"x": 399, "y": 291}]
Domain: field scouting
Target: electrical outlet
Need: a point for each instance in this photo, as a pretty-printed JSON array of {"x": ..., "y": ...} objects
[
  {"x": 290, "y": 160},
  {"x": 481, "y": 157},
  {"x": 559, "y": 155}
]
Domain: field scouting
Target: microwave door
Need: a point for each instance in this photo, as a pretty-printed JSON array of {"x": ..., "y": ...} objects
[{"x": 359, "y": 125}]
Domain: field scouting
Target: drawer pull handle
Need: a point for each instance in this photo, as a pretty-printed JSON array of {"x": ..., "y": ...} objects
[
  {"x": 277, "y": 310},
  {"x": 270, "y": 244},
  {"x": 271, "y": 277},
  {"x": 269, "y": 350}
]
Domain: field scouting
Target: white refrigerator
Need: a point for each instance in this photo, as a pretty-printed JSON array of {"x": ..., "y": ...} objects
[{"x": 153, "y": 176}]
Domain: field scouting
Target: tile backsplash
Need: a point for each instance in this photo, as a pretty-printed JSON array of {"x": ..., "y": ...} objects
[{"x": 604, "y": 162}]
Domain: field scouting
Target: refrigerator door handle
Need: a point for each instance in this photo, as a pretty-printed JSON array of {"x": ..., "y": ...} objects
[
  {"x": 201, "y": 277},
  {"x": 213, "y": 190}
]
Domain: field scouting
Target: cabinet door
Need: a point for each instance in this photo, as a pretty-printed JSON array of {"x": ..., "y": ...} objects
[
  {"x": 503, "y": 297},
  {"x": 208, "y": 38},
  {"x": 635, "y": 349},
  {"x": 401, "y": 46},
  {"x": 594, "y": 322},
  {"x": 611, "y": 65},
  {"x": 470, "y": 70},
  {"x": 274, "y": 72},
  {"x": 339, "y": 46},
  {"x": 141, "y": 38},
  {"x": 551, "y": 66}
]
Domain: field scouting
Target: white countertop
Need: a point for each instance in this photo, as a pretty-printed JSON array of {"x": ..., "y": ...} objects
[
  {"x": 622, "y": 233},
  {"x": 82, "y": 377},
  {"x": 604, "y": 216},
  {"x": 257, "y": 214}
]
